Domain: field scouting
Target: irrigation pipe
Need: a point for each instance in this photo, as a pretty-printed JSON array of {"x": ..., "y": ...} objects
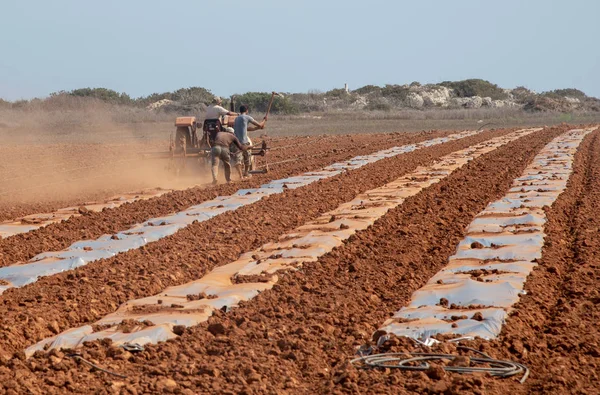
[
  {"x": 484, "y": 125},
  {"x": 80, "y": 358},
  {"x": 419, "y": 362}
]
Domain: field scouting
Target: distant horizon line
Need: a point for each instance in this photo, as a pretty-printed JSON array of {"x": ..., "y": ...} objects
[{"x": 315, "y": 90}]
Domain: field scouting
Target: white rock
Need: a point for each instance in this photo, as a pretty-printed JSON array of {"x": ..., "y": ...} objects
[
  {"x": 159, "y": 104},
  {"x": 360, "y": 102},
  {"x": 459, "y": 101},
  {"x": 414, "y": 100},
  {"x": 474, "y": 102},
  {"x": 436, "y": 96}
]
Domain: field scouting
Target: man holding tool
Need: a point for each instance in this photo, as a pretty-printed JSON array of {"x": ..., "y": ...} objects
[{"x": 242, "y": 159}]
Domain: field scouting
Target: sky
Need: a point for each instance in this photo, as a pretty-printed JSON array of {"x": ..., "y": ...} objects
[{"x": 146, "y": 46}]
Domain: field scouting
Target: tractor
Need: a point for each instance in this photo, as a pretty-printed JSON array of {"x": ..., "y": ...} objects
[{"x": 190, "y": 144}]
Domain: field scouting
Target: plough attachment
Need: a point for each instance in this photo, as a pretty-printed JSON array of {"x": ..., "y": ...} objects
[
  {"x": 260, "y": 151},
  {"x": 184, "y": 159}
]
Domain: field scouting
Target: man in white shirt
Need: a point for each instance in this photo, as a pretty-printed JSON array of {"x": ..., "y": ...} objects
[{"x": 215, "y": 110}]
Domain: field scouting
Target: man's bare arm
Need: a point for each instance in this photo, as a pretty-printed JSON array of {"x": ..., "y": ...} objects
[
  {"x": 240, "y": 145},
  {"x": 258, "y": 125}
]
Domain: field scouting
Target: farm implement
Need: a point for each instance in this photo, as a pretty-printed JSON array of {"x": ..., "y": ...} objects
[{"x": 191, "y": 142}]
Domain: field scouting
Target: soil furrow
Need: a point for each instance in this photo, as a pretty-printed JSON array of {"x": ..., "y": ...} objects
[
  {"x": 251, "y": 273},
  {"x": 85, "y": 251},
  {"x": 554, "y": 329},
  {"x": 23, "y": 247},
  {"x": 506, "y": 238},
  {"x": 71, "y": 299},
  {"x": 300, "y": 335}
]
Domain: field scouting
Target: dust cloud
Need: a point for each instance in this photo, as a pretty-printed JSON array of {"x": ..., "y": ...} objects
[{"x": 50, "y": 160}]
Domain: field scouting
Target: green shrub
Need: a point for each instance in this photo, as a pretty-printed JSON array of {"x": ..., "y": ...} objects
[
  {"x": 476, "y": 87},
  {"x": 259, "y": 101},
  {"x": 192, "y": 96},
  {"x": 308, "y": 102},
  {"x": 522, "y": 95},
  {"x": 543, "y": 103},
  {"x": 520, "y": 90},
  {"x": 365, "y": 90},
  {"x": 107, "y": 95},
  {"x": 337, "y": 93},
  {"x": 569, "y": 92},
  {"x": 378, "y": 104},
  {"x": 397, "y": 92}
]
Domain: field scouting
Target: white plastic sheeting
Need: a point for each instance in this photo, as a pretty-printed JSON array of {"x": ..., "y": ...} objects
[
  {"x": 491, "y": 264},
  {"x": 181, "y": 305},
  {"x": 36, "y": 221},
  {"x": 86, "y": 251}
]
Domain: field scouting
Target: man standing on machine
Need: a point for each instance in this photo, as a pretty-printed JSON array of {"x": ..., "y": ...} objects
[
  {"x": 242, "y": 158},
  {"x": 216, "y": 111},
  {"x": 220, "y": 152}
]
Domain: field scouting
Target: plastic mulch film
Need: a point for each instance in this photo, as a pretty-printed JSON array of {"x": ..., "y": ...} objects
[
  {"x": 83, "y": 252},
  {"x": 225, "y": 286},
  {"x": 36, "y": 221},
  {"x": 473, "y": 295}
]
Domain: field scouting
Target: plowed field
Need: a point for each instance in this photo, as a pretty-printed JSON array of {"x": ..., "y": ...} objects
[{"x": 294, "y": 327}]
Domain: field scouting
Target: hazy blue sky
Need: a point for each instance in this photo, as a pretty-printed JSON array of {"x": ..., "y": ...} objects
[{"x": 146, "y": 46}]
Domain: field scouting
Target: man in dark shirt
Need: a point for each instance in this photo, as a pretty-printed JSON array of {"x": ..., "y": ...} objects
[{"x": 220, "y": 152}]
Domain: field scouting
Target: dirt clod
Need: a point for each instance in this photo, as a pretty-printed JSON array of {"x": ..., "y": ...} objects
[
  {"x": 298, "y": 338},
  {"x": 435, "y": 372},
  {"x": 216, "y": 329}
]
